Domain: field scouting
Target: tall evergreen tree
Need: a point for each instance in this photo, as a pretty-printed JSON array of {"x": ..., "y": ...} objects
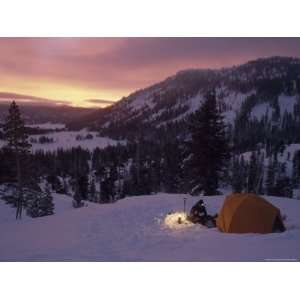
[
  {"x": 17, "y": 142},
  {"x": 208, "y": 147}
]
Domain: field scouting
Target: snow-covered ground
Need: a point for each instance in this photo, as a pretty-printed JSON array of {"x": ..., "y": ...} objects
[
  {"x": 133, "y": 230},
  {"x": 69, "y": 139}
]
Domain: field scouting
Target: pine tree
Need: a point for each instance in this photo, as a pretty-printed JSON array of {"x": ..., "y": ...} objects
[
  {"x": 296, "y": 170},
  {"x": 65, "y": 186},
  {"x": 261, "y": 172},
  {"x": 283, "y": 185},
  {"x": 77, "y": 199},
  {"x": 92, "y": 191},
  {"x": 172, "y": 175},
  {"x": 33, "y": 206},
  {"x": 255, "y": 173},
  {"x": 17, "y": 142},
  {"x": 83, "y": 185},
  {"x": 46, "y": 203},
  {"x": 270, "y": 180},
  {"x": 208, "y": 147},
  {"x": 238, "y": 175}
]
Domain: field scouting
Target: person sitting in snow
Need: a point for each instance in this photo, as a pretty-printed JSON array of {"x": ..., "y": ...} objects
[{"x": 198, "y": 214}]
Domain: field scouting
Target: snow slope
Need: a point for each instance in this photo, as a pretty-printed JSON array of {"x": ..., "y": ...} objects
[{"x": 133, "y": 230}]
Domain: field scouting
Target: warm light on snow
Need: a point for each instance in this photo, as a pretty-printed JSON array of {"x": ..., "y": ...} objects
[{"x": 177, "y": 220}]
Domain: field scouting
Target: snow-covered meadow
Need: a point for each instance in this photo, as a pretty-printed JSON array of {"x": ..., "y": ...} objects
[
  {"x": 68, "y": 139},
  {"x": 133, "y": 229},
  {"x": 48, "y": 125}
]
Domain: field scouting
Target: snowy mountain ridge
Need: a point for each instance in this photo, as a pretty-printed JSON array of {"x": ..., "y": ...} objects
[{"x": 259, "y": 82}]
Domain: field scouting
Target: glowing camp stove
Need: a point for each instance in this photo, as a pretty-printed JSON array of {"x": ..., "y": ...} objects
[{"x": 177, "y": 220}]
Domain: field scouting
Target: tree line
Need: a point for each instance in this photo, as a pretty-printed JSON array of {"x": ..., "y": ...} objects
[{"x": 202, "y": 162}]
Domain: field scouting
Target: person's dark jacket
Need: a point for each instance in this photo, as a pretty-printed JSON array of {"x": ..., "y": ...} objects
[{"x": 198, "y": 213}]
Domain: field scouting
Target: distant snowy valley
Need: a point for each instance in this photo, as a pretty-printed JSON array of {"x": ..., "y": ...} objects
[{"x": 60, "y": 138}]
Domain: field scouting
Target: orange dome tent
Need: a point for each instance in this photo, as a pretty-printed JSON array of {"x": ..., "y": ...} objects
[{"x": 245, "y": 213}]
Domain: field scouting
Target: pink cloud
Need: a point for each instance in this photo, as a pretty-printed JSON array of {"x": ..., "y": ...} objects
[{"x": 125, "y": 64}]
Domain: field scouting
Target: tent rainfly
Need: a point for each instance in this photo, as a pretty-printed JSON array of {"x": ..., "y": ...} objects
[{"x": 249, "y": 213}]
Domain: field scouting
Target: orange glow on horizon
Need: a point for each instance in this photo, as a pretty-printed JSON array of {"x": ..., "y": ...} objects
[{"x": 76, "y": 96}]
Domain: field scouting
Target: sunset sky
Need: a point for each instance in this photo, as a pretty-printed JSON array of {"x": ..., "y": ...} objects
[{"x": 95, "y": 71}]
